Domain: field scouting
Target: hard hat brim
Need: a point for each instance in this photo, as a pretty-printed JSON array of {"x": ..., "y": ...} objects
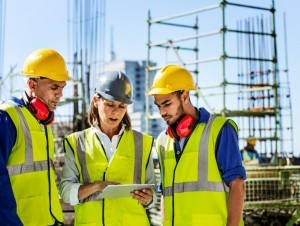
[
  {"x": 59, "y": 78},
  {"x": 160, "y": 91},
  {"x": 120, "y": 99},
  {"x": 164, "y": 91}
]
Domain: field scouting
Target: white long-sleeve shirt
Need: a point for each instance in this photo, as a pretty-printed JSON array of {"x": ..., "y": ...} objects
[{"x": 69, "y": 184}]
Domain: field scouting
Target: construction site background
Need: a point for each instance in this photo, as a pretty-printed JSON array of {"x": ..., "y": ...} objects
[{"x": 238, "y": 69}]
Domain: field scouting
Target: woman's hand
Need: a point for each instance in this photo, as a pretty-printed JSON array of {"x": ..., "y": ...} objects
[{"x": 144, "y": 196}]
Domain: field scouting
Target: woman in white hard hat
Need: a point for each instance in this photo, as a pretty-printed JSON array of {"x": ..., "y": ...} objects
[{"x": 108, "y": 153}]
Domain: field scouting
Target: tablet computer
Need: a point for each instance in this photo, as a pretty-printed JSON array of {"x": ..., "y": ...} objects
[{"x": 122, "y": 190}]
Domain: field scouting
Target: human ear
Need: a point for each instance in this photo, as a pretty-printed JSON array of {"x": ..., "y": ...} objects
[
  {"x": 32, "y": 84},
  {"x": 185, "y": 97}
]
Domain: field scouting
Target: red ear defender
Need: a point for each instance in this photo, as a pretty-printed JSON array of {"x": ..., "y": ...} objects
[
  {"x": 172, "y": 133},
  {"x": 183, "y": 128},
  {"x": 40, "y": 111},
  {"x": 48, "y": 120}
]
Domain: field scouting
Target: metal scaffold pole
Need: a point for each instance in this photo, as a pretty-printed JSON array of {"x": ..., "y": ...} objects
[{"x": 86, "y": 32}]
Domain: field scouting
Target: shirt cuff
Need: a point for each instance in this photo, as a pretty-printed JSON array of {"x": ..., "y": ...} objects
[
  {"x": 233, "y": 174},
  {"x": 154, "y": 200},
  {"x": 74, "y": 194}
]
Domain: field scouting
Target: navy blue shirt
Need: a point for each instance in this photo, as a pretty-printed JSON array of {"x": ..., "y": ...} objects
[{"x": 8, "y": 210}]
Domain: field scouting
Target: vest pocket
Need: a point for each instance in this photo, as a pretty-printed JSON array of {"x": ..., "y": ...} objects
[
  {"x": 37, "y": 205},
  {"x": 88, "y": 213},
  {"x": 135, "y": 220}
]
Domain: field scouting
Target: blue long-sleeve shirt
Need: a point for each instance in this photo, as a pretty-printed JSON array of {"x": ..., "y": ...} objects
[{"x": 8, "y": 210}]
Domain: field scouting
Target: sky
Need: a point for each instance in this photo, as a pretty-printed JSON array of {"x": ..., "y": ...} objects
[{"x": 34, "y": 24}]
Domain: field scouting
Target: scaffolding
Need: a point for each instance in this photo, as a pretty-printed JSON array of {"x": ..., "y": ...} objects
[
  {"x": 86, "y": 34},
  {"x": 235, "y": 65},
  {"x": 2, "y": 29}
]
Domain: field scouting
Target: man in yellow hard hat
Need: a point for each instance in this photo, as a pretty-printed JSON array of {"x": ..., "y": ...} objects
[
  {"x": 201, "y": 168},
  {"x": 249, "y": 155},
  {"x": 28, "y": 191}
]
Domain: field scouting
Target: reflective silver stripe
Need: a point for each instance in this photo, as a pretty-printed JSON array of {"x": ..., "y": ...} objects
[
  {"x": 81, "y": 156},
  {"x": 28, "y": 139},
  {"x": 203, "y": 169},
  {"x": 29, "y": 165},
  {"x": 25, "y": 168},
  {"x": 202, "y": 184},
  {"x": 138, "y": 149}
]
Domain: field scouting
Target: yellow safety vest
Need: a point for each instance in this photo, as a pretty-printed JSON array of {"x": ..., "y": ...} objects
[
  {"x": 193, "y": 189},
  {"x": 127, "y": 166},
  {"x": 30, "y": 174},
  {"x": 246, "y": 155}
]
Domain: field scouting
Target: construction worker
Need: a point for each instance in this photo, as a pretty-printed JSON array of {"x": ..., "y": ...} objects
[
  {"x": 249, "y": 155},
  {"x": 28, "y": 191},
  {"x": 201, "y": 168},
  {"x": 108, "y": 153}
]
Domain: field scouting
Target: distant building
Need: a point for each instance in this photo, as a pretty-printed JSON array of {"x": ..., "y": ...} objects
[{"x": 135, "y": 70}]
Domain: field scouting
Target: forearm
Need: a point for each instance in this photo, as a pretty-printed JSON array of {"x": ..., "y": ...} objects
[
  {"x": 235, "y": 202},
  {"x": 88, "y": 189}
]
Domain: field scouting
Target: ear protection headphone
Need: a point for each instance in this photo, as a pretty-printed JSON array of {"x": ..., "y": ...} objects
[
  {"x": 182, "y": 128},
  {"x": 40, "y": 111}
]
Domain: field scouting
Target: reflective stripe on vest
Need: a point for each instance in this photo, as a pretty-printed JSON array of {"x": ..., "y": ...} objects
[
  {"x": 202, "y": 184},
  {"x": 29, "y": 165},
  {"x": 138, "y": 141}
]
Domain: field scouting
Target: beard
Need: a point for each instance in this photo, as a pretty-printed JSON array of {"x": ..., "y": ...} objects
[{"x": 178, "y": 115}]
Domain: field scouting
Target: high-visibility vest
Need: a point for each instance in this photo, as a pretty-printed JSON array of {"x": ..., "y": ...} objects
[
  {"x": 246, "y": 156},
  {"x": 193, "y": 190},
  {"x": 31, "y": 169},
  {"x": 127, "y": 166}
]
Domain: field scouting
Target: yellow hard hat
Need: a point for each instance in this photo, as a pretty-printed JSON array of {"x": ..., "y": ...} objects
[
  {"x": 172, "y": 78},
  {"x": 46, "y": 63},
  {"x": 251, "y": 141}
]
